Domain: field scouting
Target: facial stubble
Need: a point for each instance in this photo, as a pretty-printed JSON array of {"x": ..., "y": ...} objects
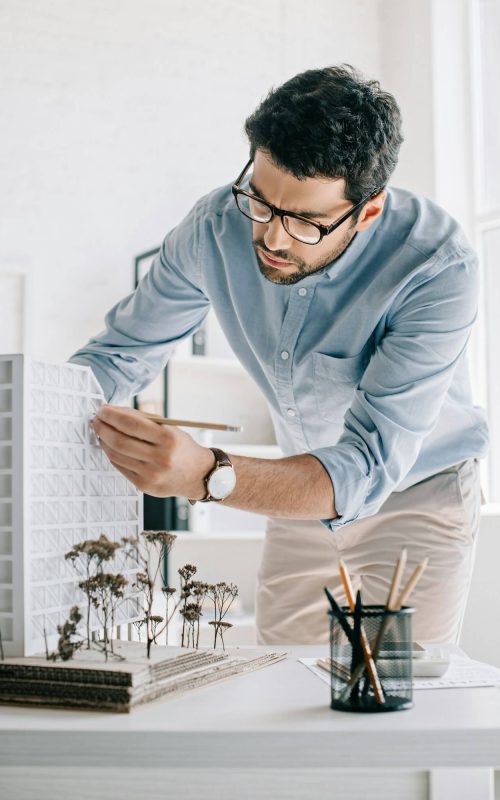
[{"x": 274, "y": 275}]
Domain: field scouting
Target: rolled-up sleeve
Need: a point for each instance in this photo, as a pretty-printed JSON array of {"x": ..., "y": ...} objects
[
  {"x": 143, "y": 328},
  {"x": 399, "y": 397}
]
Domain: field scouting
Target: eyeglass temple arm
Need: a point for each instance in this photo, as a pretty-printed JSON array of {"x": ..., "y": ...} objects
[
  {"x": 353, "y": 209},
  {"x": 242, "y": 173}
]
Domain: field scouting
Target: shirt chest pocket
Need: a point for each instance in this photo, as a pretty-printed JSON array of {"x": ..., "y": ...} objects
[{"x": 335, "y": 380}]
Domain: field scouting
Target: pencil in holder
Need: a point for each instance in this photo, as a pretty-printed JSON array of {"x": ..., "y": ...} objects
[{"x": 386, "y": 637}]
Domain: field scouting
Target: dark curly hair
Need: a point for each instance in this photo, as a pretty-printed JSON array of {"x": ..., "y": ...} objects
[{"x": 330, "y": 122}]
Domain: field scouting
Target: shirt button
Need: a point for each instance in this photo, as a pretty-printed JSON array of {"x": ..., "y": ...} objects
[
  {"x": 290, "y": 412},
  {"x": 302, "y": 292},
  {"x": 285, "y": 355}
]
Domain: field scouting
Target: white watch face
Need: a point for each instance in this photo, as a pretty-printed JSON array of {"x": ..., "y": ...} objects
[{"x": 222, "y": 482}]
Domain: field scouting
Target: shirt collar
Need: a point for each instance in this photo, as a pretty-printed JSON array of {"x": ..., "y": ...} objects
[{"x": 348, "y": 258}]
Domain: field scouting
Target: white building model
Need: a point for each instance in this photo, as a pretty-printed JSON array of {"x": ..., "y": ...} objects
[{"x": 57, "y": 488}]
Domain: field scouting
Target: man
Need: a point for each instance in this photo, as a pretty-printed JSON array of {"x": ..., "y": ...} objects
[{"x": 351, "y": 305}]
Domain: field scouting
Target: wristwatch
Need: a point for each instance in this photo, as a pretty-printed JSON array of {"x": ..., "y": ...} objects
[{"x": 221, "y": 480}]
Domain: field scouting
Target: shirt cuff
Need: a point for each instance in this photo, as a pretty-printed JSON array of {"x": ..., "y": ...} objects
[
  {"x": 108, "y": 386},
  {"x": 350, "y": 480}
]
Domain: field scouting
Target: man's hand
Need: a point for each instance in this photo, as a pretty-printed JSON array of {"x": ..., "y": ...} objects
[
  {"x": 160, "y": 460},
  {"x": 166, "y": 462}
]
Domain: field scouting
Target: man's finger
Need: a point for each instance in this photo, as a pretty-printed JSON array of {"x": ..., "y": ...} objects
[
  {"x": 131, "y": 476},
  {"x": 129, "y": 421},
  {"x": 119, "y": 459},
  {"x": 122, "y": 442}
]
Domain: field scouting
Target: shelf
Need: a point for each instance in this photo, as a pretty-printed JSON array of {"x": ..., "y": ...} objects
[
  {"x": 212, "y": 536},
  {"x": 209, "y": 363},
  {"x": 253, "y": 450},
  {"x": 490, "y": 510}
]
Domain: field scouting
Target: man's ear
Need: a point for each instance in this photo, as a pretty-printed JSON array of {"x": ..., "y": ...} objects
[{"x": 371, "y": 211}]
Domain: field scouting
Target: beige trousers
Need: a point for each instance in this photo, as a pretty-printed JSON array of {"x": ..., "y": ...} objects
[{"x": 438, "y": 518}]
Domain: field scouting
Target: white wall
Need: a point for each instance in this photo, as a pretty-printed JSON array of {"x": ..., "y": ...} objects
[
  {"x": 406, "y": 70},
  {"x": 116, "y": 116}
]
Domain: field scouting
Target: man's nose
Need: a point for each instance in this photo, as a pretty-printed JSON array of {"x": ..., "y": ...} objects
[{"x": 276, "y": 237}]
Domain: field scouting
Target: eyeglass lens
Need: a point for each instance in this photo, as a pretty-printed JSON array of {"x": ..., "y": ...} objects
[{"x": 261, "y": 212}]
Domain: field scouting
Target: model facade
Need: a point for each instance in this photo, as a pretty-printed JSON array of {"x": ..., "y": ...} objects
[{"x": 57, "y": 488}]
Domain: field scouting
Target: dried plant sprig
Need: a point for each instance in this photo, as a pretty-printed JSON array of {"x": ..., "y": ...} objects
[
  {"x": 66, "y": 645},
  {"x": 199, "y": 590},
  {"x": 155, "y": 621},
  {"x": 222, "y": 595},
  {"x": 138, "y": 625},
  {"x": 146, "y": 551},
  {"x": 88, "y": 557},
  {"x": 185, "y": 573},
  {"x": 104, "y": 590},
  {"x": 220, "y": 628},
  {"x": 167, "y": 592},
  {"x": 163, "y": 538}
]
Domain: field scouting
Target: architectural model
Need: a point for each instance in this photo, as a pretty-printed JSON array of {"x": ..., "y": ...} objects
[{"x": 57, "y": 488}]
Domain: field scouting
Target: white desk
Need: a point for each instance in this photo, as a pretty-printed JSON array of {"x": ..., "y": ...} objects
[{"x": 270, "y": 734}]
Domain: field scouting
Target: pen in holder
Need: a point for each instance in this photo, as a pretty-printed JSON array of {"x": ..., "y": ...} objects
[{"x": 371, "y": 658}]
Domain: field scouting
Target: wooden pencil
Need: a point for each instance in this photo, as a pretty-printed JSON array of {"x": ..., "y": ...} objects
[
  {"x": 411, "y": 583},
  {"x": 391, "y": 603},
  {"x": 398, "y": 604},
  {"x": 187, "y": 423},
  {"x": 365, "y": 645},
  {"x": 396, "y": 580}
]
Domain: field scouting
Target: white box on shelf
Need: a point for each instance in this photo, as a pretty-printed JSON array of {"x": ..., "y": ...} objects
[{"x": 57, "y": 488}]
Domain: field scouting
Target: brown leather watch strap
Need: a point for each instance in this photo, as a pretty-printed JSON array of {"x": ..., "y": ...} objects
[{"x": 221, "y": 460}]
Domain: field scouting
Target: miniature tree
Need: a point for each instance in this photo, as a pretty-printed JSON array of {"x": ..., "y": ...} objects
[
  {"x": 138, "y": 625},
  {"x": 88, "y": 558},
  {"x": 199, "y": 590},
  {"x": 185, "y": 573},
  {"x": 167, "y": 592},
  {"x": 147, "y": 552},
  {"x": 192, "y": 612},
  {"x": 156, "y": 620},
  {"x": 104, "y": 591},
  {"x": 191, "y": 616},
  {"x": 67, "y": 646},
  {"x": 220, "y": 627},
  {"x": 222, "y": 595}
]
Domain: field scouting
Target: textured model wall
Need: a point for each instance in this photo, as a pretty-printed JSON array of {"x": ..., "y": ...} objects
[{"x": 57, "y": 488}]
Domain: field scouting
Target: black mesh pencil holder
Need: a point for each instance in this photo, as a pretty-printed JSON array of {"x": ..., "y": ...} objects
[{"x": 383, "y": 683}]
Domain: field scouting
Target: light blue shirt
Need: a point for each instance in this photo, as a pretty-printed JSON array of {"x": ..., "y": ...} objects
[{"x": 363, "y": 365}]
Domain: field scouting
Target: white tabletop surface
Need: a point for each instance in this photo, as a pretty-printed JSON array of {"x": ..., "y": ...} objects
[{"x": 277, "y": 716}]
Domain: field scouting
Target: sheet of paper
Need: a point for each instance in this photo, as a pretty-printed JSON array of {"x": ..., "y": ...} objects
[{"x": 463, "y": 673}]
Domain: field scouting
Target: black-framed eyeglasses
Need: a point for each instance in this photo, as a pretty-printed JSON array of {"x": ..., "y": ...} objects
[{"x": 298, "y": 227}]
